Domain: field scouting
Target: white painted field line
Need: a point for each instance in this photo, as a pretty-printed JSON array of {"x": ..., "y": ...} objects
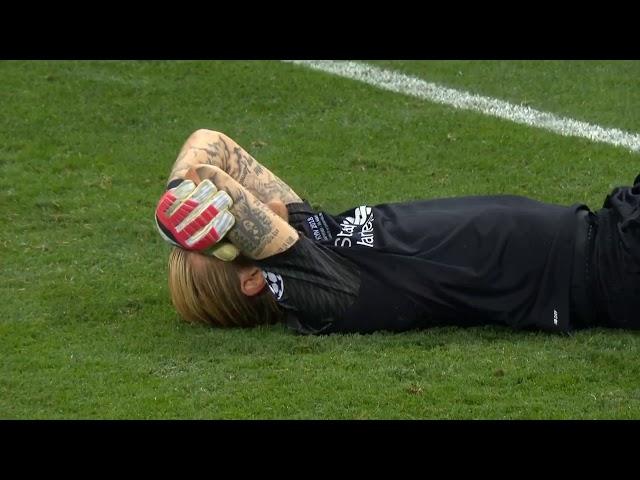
[{"x": 416, "y": 87}]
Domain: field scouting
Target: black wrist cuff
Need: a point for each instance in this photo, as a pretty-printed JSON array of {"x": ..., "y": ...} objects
[{"x": 174, "y": 183}]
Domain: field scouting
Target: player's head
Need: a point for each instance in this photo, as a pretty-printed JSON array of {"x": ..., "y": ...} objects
[{"x": 207, "y": 290}]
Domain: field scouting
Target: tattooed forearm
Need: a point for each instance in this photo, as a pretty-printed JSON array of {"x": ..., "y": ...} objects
[
  {"x": 242, "y": 166},
  {"x": 253, "y": 229},
  {"x": 259, "y": 180},
  {"x": 258, "y": 232},
  {"x": 213, "y": 148}
]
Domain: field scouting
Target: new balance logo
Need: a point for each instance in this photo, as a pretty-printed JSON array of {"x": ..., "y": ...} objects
[
  {"x": 358, "y": 228},
  {"x": 361, "y": 216}
]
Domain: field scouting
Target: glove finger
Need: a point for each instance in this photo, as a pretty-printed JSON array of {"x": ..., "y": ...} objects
[
  {"x": 203, "y": 191},
  {"x": 205, "y": 212},
  {"x": 223, "y": 223},
  {"x": 181, "y": 192},
  {"x": 212, "y": 232},
  {"x": 183, "y": 214}
]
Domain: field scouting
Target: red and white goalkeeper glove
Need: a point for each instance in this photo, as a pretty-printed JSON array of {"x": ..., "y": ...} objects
[{"x": 194, "y": 217}]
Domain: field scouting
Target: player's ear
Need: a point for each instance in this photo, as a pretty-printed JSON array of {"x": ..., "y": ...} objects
[{"x": 252, "y": 280}]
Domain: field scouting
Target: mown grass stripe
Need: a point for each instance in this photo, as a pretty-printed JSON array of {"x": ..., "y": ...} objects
[{"x": 416, "y": 87}]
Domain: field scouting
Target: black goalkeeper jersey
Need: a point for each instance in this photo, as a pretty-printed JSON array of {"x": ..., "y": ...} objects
[{"x": 457, "y": 261}]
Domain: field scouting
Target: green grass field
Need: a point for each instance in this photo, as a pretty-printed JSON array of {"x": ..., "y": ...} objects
[{"x": 86, "y": 327}]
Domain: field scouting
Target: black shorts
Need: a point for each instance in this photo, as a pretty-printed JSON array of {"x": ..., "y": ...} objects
[{"x": 616, "y": 260}]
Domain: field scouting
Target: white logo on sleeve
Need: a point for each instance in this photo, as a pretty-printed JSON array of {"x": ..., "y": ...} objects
[
  {"x": 275, "y": 284},
  {"x": 358, "y": 228},
  {"x": 361, "y": 216}
]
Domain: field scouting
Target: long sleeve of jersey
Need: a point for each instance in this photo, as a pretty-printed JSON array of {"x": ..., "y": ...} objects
[{"x": 312, "y": 284}]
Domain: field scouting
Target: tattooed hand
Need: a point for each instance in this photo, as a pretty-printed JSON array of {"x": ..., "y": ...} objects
[{"x": 258, "y": 232}]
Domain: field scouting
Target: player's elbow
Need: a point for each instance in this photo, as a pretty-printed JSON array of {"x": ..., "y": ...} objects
[{"x": 203, "y": 137}]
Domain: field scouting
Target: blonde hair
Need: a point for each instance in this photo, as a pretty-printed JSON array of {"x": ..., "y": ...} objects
[{"x": 206, "y": 290}]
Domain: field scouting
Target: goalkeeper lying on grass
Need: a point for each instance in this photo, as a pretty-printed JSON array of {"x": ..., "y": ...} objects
[{"x": 249, "y": 251}]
